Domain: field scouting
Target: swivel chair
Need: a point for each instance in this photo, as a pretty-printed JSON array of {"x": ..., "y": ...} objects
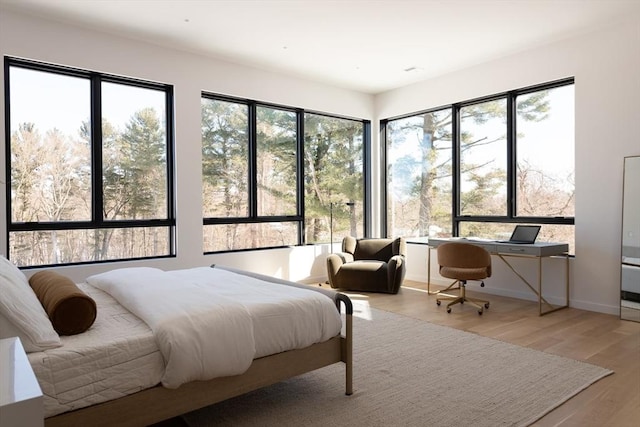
[{"x": 462, "y": 262}]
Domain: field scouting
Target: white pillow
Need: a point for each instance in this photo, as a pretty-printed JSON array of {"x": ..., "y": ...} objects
[
  {"x": 22, "y": 311},
  {"x": 9, "y": 330}
]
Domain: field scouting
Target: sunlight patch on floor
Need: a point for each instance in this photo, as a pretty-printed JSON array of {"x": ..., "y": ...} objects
[
  {"x": 361, "y": 307},
  {"x": 414, "y": 289}
]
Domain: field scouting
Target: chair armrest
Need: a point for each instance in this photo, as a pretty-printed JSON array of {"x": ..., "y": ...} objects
[
  {"x": 396, "y": 270},
  {"x": 344, "y": 257},
  {"x": 334, "y": 262}
]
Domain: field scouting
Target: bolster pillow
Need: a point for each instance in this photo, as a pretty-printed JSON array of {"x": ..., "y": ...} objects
[{"x": 70, "y": 310}]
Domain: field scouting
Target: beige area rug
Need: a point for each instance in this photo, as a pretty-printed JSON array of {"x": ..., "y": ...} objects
[{"x": 409, "y": 372}]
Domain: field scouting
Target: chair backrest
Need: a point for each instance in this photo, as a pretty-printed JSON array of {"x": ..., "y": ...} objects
[
  {"x": 374, "y": 249},
  {"x": 464, "y": 255}
]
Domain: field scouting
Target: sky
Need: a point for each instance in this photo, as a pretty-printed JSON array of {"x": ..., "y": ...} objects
[{"x": 63, "y": 102}]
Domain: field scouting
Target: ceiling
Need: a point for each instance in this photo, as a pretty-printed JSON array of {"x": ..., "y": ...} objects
[{"x": 365, "y": 45}]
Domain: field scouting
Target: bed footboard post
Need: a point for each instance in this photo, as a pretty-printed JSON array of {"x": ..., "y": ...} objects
[{"x": 347, "y": 340}]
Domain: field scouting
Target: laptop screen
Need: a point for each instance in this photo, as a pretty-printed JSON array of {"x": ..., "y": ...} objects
[{"x": 525, "y": 233}]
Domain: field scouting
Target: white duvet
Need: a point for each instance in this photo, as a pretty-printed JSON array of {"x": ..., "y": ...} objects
[{"x": 211, "y": 323}]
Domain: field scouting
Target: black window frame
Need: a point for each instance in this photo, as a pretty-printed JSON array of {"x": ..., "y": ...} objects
[
  {"x": 97, "y": 220},
  {"x": 299, "y": 217},
  {"x": 511, "y": 141}
]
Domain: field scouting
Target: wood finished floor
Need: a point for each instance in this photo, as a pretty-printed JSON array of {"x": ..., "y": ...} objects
[
  {"x": 596, "y": 338},
  {"x": 600, "y": 339}
]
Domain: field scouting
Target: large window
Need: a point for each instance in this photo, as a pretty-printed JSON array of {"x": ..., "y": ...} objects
[
  {"x": 477, "y": 167},
  {"x": 276, "y": 176},
  {"x": 419, "y": 165},
  {"x": 334, "y": 178},
  {"x": 90, "y": 166},
  {"x": 483, "y": 159}
]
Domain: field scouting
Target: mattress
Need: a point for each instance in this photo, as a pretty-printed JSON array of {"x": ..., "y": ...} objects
[{"x": 116, "y": 357}]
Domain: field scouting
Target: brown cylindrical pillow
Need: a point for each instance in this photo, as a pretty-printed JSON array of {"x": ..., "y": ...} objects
[{"x": 70, "y": 310}]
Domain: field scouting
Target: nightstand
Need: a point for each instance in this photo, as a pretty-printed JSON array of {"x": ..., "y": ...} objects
[{"x": 20, "y": 395}]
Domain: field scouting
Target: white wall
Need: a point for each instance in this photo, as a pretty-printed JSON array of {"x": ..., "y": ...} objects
[
  {"x": 605, "y": 64},
  {"x": 606, "y": 67},
  {"x": 48, "y": 41}
]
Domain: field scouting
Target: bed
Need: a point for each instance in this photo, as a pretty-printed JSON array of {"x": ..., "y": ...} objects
[{"x": 113, "y": 374}]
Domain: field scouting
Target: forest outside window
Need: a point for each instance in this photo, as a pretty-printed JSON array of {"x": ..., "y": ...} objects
[
  {"x": 419, "y": 185},
  {"x": 90, "y": 166},
  {"x": 504, "y": 159},
  {"x": 277, "y": 176},
  {"x": 249, "y": 200},
  {"x": 334, "y": 178}
]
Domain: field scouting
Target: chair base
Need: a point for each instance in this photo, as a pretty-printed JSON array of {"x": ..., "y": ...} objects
[{"x": 461, "y": 299}]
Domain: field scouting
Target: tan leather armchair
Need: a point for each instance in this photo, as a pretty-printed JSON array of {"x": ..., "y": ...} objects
[
  {"x": 375, "y": 265},
  {"x": 462, "y": 262}
]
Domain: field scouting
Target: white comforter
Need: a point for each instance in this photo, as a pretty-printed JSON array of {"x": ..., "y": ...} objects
[{"x": 211, "y": 323}]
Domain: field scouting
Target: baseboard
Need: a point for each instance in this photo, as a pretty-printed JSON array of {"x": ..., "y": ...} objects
[
  {"x": 530, "y": 296},
  {"x": 598, "y": 308}
]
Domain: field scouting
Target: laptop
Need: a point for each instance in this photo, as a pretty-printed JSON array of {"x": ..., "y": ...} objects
[{"x": 523, "y": 234}]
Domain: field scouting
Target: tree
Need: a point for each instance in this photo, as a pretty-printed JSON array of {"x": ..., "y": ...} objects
[
  {"x": 276, "y": 162},
  {"x": 143, "y": 166},
  {"x": 333, "y": 176},
  {"x": 431, "y": 166},
  {"x": 225, "y": 147},
  {"x": 48, "y": 179}
]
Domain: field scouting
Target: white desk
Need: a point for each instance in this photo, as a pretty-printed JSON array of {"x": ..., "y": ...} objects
[
  {"x": 20, "y": 395},
  {"x": 538, "y": 250}
]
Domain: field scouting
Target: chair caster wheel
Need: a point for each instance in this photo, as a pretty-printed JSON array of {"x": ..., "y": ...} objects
[
  {"x": 438, "y": 303},
  {"x": 448, "y": 310},
  {"x": 480, "y": 312},
  {"x": 486, "y": 305}
]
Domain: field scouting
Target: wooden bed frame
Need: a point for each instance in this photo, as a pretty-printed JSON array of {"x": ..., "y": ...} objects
[{"x": 158, "y": 403}]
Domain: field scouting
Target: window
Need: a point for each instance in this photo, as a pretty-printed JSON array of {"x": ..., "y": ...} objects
[
  {"x": 90, "y": 166},
  {"x": 276, "y": 176},
  {"x": 249, "y": 201},
  {"x": 419, "y": 165},
  {"x": 483, "y": 159},
  {"x": 334, "y": 178},
  {"x": 276, "y": 162},
  {"x": 477, "y": 167}
]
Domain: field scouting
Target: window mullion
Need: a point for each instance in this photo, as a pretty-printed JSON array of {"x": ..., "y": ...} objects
[
  {"x": 300, "y": 174},
  {"x": 96, "y": 150},
  {"x": 253, "y": 160},
  {"x": 511, "y": 156},
  {"x": 366, "y": 175},
  {"x": 455, "y": 172},
  {"x": 384, "y": 179}
]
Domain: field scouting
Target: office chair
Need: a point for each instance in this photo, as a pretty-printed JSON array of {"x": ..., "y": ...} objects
[{"x": 462, "y": 262}]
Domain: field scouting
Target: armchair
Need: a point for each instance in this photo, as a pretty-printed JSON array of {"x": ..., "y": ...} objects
[{"x": 376, "y": 265}]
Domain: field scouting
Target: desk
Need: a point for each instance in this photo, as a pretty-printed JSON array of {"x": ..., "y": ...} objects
[{"x": 538, "y": 250}]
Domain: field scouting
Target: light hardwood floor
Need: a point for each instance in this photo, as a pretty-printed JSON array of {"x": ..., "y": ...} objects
[{"x": 600, "y": 339}]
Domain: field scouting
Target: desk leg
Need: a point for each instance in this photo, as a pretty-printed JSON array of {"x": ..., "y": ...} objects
[
  {"x": 540, "y": 286},
  {"x": 538, "y": 292},
  {"x": 566, "y": 284},
  {"x": 566, "y": 257}
]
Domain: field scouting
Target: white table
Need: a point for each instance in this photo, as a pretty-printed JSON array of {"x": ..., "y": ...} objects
[
  {"x": 20, "y": 395},
  {"x": 538, "y": 250}
]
